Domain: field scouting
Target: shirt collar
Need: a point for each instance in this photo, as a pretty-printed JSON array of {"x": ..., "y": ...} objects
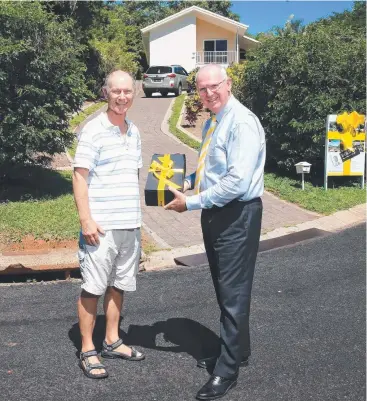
[
  {"x": 108, "y": 125},
  {"x": 225, "y": 109}
]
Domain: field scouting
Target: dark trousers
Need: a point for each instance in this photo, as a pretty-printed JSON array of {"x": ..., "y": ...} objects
[{"x": 231, "y": 237}]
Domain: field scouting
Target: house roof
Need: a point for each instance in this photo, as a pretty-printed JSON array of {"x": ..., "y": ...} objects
[
  {"x": 201, "y": 13},
  {"x": 248, "y": 42},
  {"x": 206, "y": 15}
]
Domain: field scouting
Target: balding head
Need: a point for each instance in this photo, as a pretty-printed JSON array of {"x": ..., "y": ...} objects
[
  {"x": 119, "y": 90},
  {"x": 212, "y": 69},
  {"x": 117, "y": 77}
]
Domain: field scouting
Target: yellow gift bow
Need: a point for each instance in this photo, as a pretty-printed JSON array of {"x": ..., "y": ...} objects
[
  {"x": 166, "y": 171},
  {"x": 350, "y": 122}
]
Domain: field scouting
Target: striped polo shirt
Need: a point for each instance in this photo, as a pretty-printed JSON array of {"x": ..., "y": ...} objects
[{"x": 113, "y": 161}]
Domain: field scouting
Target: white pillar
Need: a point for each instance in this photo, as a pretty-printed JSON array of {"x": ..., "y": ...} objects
[{"x": 237, "y": 49}]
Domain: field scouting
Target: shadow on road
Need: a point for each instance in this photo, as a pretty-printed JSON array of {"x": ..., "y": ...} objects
[{"x": 186, "y": 335}]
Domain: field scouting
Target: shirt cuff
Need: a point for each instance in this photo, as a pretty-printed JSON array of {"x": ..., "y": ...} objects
[{"x": 193, "y": 202}]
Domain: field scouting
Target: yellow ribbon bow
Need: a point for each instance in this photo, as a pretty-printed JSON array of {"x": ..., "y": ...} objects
[
  {"x": 163, "y": 171},
  {"x": 350, "y": 122}
]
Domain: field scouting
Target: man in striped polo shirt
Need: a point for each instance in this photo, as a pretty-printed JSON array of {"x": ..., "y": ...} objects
[{"x": 106, "y": 192}]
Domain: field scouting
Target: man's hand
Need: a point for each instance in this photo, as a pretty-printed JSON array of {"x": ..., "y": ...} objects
[
  {"x": 90, "y": 231},
  {"x": 179, "y": 203}
]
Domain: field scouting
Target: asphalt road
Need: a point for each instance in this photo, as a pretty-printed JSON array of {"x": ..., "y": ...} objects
[{"x": 308, "y": 332}]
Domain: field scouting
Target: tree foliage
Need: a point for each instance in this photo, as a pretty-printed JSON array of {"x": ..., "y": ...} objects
[
  {"x": 294, "y": 80},
  {"x": 219, "y": 7},
  {"x": 111, "y": 43},
  {"x": 236, "y": 72},
  {"x": 41, "y": 82},
  {"x": 85, "y": 16}
]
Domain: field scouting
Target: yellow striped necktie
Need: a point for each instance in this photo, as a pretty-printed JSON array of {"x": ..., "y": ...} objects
[{"x": 203, "y": 152}]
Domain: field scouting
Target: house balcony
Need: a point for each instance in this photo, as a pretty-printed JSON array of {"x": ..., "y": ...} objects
[{"x": 224, "y": 58}]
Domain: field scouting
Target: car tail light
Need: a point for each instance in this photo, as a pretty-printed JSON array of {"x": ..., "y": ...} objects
[{"x": 171, "y": 75}]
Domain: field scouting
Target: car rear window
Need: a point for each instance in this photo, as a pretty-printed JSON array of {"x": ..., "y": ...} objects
[{"x": 159, "y": 70}]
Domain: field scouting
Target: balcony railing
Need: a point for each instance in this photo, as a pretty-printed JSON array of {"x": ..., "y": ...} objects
[{"x": 215, "y": 57}]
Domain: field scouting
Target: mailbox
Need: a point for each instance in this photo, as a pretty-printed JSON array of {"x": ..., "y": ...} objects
[{"x": 303, "y": 167}]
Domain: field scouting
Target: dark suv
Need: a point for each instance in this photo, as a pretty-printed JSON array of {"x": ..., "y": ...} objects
[{"x": 164, "y": 79}]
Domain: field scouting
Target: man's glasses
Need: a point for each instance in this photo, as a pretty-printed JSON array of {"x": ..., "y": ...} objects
[{"x": 212, "y": 88}]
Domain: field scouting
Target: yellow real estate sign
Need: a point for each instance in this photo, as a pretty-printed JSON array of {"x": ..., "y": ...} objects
[{"x": 345, "y": 151}]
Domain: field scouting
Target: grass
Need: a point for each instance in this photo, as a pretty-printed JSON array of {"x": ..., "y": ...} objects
[
  {"x": 55, "y": 219},
  {"x": 43, "y": 207},
  {"x": 72, "y": 149},
  {"x": 313, "y": 198},
  {"x": 79, "y": 118},
  {"x": 40, "y": 204},
  {"x": 172, "y": 122},
  {"x": 149, "y": 247}
]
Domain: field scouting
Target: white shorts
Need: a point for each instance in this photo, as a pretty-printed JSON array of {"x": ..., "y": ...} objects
[{"x": 114, "y": 262}]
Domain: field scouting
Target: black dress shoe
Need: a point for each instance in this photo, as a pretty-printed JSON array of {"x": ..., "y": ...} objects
[
  {"x": 216, "y": 387},
  {"x": 210, "y": 362}
]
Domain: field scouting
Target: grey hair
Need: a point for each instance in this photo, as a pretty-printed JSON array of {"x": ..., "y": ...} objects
[
  {"x": 222, "y": 70},
  {"x": 106, "y": 84}
]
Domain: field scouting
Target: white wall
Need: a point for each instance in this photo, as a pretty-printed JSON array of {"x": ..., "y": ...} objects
[{"x": 174, "y": 43}]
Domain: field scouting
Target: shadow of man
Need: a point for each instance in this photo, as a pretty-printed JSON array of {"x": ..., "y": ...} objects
[{"x": 186, "y": 335}]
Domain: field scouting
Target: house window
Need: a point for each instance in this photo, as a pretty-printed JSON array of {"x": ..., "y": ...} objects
[
  {"x": 242, "y": 54},
  {"x": 215, "y": 51}
]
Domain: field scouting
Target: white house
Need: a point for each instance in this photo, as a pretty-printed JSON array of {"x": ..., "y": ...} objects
[{"x": 194, "y": 37}]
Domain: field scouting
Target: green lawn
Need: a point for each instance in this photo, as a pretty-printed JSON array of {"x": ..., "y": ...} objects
[
  {"x": 39, "y": 203},
  {"x": 42, "y": 206},
  {"x": 54, "y": 219},
  {"x": 172, "y": 122},
  {"x": 315, "y": 198}
]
